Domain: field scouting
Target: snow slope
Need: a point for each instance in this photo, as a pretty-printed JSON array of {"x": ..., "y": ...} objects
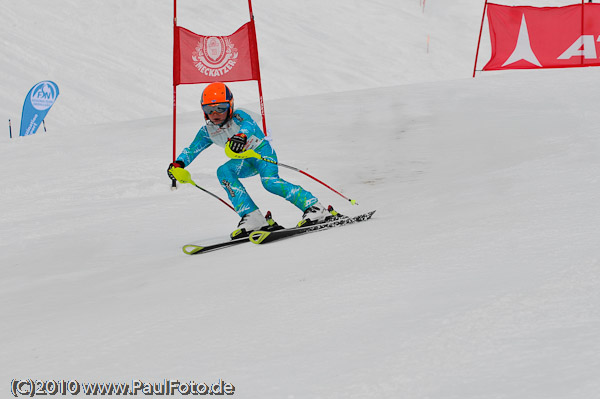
[{"x": 477, "y": 277}]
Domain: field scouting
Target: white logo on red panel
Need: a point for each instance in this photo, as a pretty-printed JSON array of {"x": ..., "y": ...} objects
[
  {"x": 215, "y": 56},
  {"x": 523, "y": 49},
  {"x": 583, "y": 46}
]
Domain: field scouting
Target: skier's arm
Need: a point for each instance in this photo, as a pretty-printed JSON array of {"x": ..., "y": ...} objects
[
  {"x": 254, "y": 136},
  {"x": 199, "y": 144}
]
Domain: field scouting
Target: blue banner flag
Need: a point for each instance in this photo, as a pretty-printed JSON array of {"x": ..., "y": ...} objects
[{"x": 38, "y": 102}]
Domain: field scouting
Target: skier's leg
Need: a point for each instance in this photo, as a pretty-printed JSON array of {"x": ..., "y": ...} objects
[
  {"x": 229, "y": 175},
  {"x": 269, "y": 177}
]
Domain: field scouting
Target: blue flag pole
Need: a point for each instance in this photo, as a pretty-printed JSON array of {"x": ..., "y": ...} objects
[{"x": 9, "y": 129}]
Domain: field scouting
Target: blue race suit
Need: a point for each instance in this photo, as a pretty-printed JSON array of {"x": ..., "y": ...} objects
[{"x": 230, "y": 173}]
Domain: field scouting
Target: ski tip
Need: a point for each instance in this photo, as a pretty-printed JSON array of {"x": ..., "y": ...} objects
[
  {"x": 259, "y": 236},
  {"x": 192, "y": 249}
]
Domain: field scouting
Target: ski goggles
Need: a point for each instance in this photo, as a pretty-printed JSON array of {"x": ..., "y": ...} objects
[{"x": 218, "y": 108}]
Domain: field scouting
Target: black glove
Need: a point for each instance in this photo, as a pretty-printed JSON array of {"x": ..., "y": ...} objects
[
  {"x": 237, "y": 142},
  {"x": 176, "y": 164}
]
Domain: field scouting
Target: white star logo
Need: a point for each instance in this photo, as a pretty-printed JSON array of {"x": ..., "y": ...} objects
[{"x": 523, "y": 49}]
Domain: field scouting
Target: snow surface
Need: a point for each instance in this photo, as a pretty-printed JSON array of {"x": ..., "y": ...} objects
[{"x": 478, "y": 276}]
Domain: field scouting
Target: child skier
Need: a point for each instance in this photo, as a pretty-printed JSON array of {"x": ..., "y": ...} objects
[{"x": 224, "y": 126}]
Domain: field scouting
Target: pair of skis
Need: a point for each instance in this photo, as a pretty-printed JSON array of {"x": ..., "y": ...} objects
[{"x": 276, "y": 232}]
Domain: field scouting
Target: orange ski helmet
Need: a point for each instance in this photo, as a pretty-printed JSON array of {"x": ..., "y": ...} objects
[{"x": 217, "y": 97}]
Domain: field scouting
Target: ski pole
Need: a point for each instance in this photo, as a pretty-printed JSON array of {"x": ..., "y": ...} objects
[
  {"x": 214, "y": 195},
  {"x": 183, "y": 176},
  {"x": 254, "y": 154}
]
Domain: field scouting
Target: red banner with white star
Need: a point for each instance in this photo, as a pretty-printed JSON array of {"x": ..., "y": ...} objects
[{"x": 525, "y": 37}]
